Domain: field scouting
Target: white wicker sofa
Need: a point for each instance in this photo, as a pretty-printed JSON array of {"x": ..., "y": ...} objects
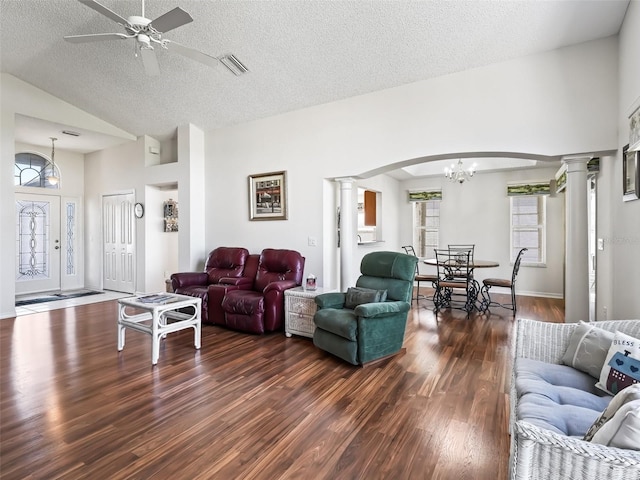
[{"x": 538, "y": 453}]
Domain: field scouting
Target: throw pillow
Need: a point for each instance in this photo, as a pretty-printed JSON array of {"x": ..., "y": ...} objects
[
  {"x": 622, "y": 366},
  {"x": 611, "y": 417},
  {"x": 358, "y": 295},
  {"x": 588, "y": 347},
  {"x": 623, "y": 430}
]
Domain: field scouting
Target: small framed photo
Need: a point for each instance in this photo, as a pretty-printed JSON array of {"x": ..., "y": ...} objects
[
  {"x": 630, "y": 174},
  {"x": 268, "y": 196}
]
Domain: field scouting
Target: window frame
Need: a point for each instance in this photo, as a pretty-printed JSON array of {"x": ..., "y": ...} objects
[
  {"x": 417, "y": 229},
  {"x": 46, "y": 168},
  {"x": 541, "y": 228}
]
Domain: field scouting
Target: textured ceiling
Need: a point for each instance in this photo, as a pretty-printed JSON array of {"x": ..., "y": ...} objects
[{"x": 299, "y": 53}]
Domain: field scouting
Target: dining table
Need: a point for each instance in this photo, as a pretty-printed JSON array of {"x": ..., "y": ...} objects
[{"x": 473, "y": 264}]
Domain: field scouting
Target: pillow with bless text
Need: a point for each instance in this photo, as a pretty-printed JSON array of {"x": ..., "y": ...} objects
[{"x": 622, "y": 365}]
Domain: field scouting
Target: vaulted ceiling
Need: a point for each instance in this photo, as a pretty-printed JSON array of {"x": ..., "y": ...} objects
[{"x": 299, "y": 53}]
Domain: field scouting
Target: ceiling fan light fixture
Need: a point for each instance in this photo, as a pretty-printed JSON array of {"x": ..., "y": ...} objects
[
  {"x": 149, "y": 33},
  {"x": 234, "y": 65}
]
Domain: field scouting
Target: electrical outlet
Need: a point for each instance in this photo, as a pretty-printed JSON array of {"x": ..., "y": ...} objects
[
  {"x": 312, "y": 241},
  {"x": 601, "y": 244},
  {"x": 604, "y": 312}
]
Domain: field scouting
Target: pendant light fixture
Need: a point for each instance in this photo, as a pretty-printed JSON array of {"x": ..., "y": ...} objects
[
  {"x": 458, "y": 174},
  {"x": 53, "y": 179}
]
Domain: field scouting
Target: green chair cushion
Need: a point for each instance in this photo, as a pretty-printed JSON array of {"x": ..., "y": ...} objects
[{"x": 341, "y": 322}]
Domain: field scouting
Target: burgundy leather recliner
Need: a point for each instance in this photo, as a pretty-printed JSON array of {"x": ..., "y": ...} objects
[
  {"x": 227, "y": 268},
  {"x": 261, "y": 308}
]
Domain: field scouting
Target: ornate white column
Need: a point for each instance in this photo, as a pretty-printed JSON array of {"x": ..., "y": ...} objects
[
  {"x": 347, "y": 233},
  {"x": 576, "y": 241}
]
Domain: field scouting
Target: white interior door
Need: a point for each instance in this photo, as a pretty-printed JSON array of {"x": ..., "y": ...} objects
[
  {"x": 119, "y": 243},
  {"x": 38, "y": 243}
]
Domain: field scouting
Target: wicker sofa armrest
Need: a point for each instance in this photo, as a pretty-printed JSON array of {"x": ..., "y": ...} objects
[
  {"x": 542, "y": 341},
  {"x": 543, "y": 454},
  {"x": 547, "y": 342}
]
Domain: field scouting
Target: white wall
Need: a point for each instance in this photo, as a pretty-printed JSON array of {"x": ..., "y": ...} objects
[
  {"x": 124, "y": 169},
  {"x": 478, "y": 212},
  {"x": 557, "y": 103},
  {"x": 161, "y": 253},
  {"x": 623, "y": 241}
]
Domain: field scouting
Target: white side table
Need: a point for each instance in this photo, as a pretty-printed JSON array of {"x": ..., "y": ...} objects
[
  {"x": 299, "y": 308},
  {"x": 159, "y": 318}
]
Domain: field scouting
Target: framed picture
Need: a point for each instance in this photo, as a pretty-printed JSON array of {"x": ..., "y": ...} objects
[
  {"x": 268, "y": 196},
  {"x": 630, "y": 174}
]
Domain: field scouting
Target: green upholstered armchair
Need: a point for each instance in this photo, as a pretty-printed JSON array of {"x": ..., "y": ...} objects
[{"x": 371, "y": 330}]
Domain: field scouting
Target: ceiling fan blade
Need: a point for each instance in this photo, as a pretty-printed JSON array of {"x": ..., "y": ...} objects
[
  {"x": 191, "y": 53},
  {"x": 170, "y": 20},
  {"x": 150, "y": 61},
  {"x": 105, "y": 11},
  {"x": 96, "y": 37}
]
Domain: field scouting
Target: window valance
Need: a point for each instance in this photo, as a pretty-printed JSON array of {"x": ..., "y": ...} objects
[
  {"x": 424, "y": 195},
  {"x": 530, "y": 188}
]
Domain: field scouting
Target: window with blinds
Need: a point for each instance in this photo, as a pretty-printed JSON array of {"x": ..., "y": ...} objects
[
  {"x": 528, "y": 228},
  {"x": 426, "y": 227}
]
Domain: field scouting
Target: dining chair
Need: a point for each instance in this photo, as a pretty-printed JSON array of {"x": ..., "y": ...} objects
[
  {"x": 455, "y": 287},
  {"x": 419, "y": 277},
  {"x": 464, "y": 247},
  {"x": 505, "y": 283}
]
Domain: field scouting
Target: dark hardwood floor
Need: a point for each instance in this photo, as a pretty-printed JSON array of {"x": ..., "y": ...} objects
[{"x": 254, "y": 407}]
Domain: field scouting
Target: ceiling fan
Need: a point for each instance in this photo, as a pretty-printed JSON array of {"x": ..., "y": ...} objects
[{"x": 149, "y": 34}]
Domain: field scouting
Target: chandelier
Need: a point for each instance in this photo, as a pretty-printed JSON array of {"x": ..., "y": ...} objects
[
  {"x": 53, "y": 178},
  {"x": 457, "y": 173}
]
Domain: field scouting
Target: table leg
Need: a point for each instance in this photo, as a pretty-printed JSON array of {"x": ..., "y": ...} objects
[
  {"x": 198, "y": 327},
  {"x": 121, "y": 328},
  {"x": 155, "y": 337}
]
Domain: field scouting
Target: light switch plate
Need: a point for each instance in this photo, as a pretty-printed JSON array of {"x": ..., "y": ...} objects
[{"x": 601, "y": 244}]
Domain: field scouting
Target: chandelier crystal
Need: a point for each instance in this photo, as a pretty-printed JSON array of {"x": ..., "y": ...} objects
[
  {"x": 458, "y": 174},
  {"x": 53, "y": 178}
]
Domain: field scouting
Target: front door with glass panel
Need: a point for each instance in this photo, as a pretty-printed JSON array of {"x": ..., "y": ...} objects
[{"x": 38, "y": 243}]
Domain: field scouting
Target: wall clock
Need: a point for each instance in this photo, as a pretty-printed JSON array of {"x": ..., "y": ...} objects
[{"x": 138, "y": 210}]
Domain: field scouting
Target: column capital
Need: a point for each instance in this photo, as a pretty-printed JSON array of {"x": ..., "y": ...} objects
[
  {"x": 344, "y": 180},
  {"x": 576, "y": 159},
  {"x": 576, "y": 163}
]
